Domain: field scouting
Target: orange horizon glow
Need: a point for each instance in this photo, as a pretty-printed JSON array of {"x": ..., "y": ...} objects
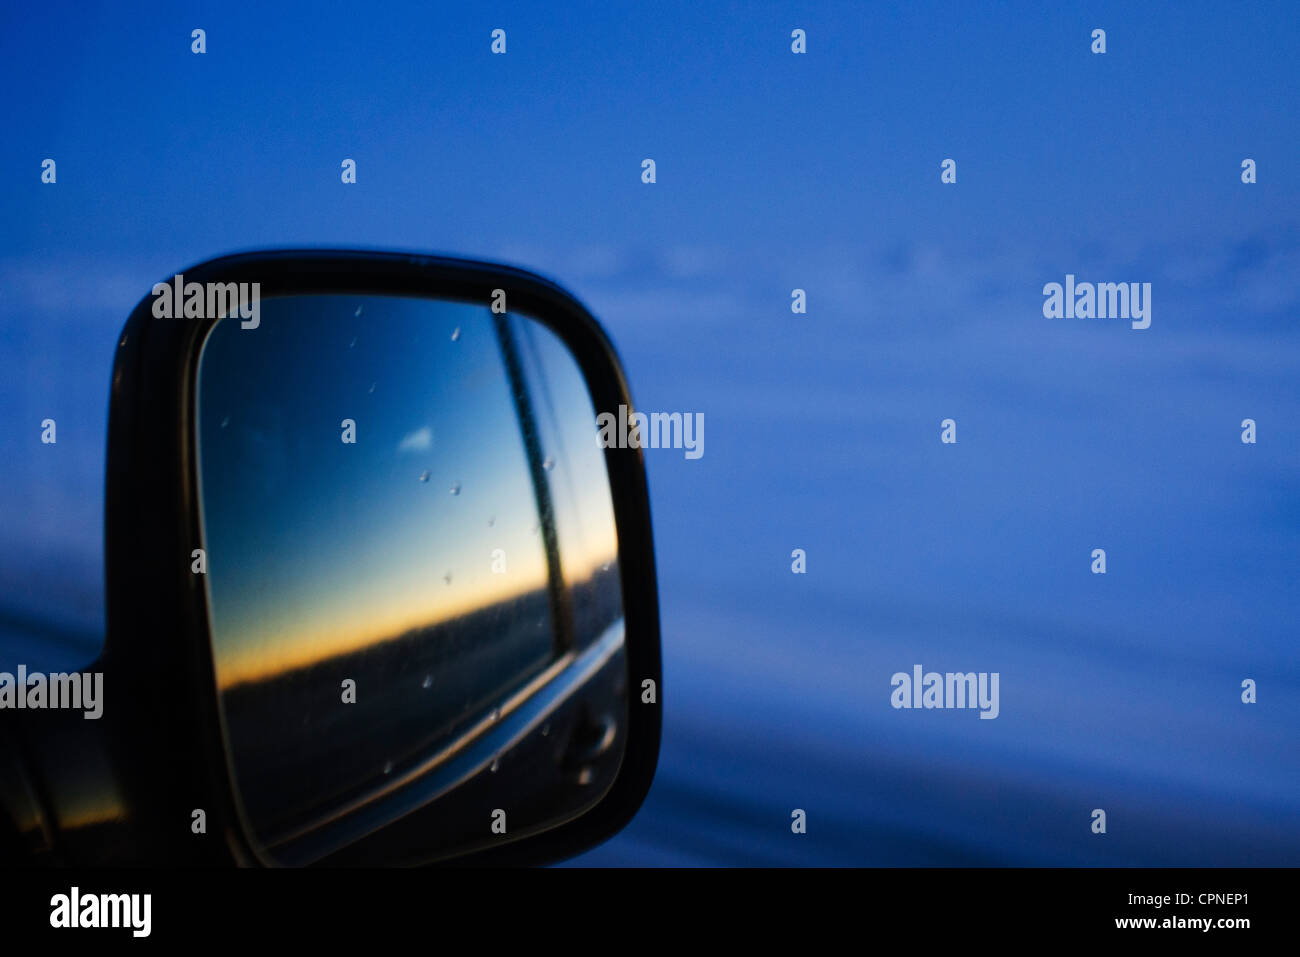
[{"x": 259, "y": 657}]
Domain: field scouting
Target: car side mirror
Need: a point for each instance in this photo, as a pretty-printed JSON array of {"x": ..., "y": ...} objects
[{"x": 378, "y": 593}]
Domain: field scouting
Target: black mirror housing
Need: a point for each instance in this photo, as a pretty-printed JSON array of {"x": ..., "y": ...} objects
[{"x": 162, "y": 736}]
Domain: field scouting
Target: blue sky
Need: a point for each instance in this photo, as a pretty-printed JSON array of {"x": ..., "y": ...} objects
[
  {"x": 317, "y": 551},
  {"x": 777, "y": 171}
]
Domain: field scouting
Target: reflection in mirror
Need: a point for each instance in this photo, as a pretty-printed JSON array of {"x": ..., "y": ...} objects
[{"x": 412, "y": 577}]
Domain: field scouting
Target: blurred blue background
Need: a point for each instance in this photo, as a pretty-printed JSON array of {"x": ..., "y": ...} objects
[{"x": 777, "y": 171}]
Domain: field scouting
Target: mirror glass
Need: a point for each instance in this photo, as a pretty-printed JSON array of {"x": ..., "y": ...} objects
[{"x": 412, "y": 577}]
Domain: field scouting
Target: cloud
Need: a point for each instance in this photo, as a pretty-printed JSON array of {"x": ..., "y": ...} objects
[{"x": 421, "y": 440}]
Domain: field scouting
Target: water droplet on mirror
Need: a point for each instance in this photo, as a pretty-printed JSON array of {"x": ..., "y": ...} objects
[
  {"x": 455, "y": 334},
  {"x": 548, "y": 463},
  {"x": 427, "y": 682},
  {"x": 455, "y": 488},
  {"x": 424, "y": 476}
]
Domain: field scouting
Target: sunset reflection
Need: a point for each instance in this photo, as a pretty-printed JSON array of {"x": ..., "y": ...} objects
[{"x": 379, "y": 522}]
